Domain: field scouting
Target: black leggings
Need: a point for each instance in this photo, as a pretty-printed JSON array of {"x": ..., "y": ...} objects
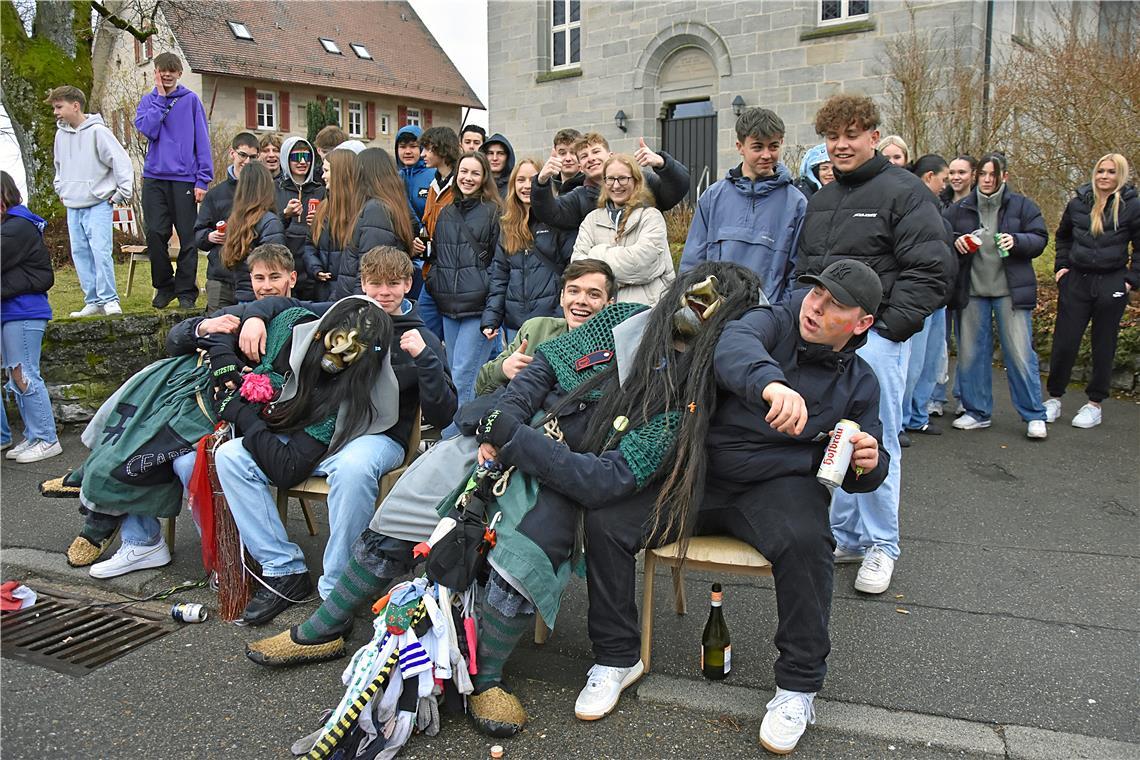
[{"x": 1083, "y": 296}]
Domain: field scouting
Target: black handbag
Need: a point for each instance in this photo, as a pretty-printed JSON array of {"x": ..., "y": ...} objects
[{"x": 459, "y": 557}]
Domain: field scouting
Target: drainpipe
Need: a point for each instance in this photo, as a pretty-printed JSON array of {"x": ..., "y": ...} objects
[{"x": 987, "y": 66}]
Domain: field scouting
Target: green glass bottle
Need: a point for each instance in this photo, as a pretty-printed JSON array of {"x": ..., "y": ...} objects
[{"x": 716, "y": 646}]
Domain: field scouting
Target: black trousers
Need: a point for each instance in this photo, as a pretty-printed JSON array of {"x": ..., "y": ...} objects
[
  {"x": 1083, "y": 296},
  {"x": 786, "y": 519},
  {"x": 170, "y": 205}
]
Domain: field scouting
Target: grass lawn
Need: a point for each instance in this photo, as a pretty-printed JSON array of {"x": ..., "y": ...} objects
[{"x": 66, "y": 296}]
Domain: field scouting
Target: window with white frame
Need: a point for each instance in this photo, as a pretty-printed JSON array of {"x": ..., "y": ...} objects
[
  {"x": 839, "y": 11},
  {"x": 412, "y": 117},
  {"x": 240, "y": 31},
  {"x": 355, "y": 119},
  {"x": 330, "y": 46},
  {"x": 266, "y": 110},
  {"x": 336, "y": 109},
  {"x": 565, "y": 34},
  {"x": 360, "y": 50},
  {"x": 385, "y": 123}
]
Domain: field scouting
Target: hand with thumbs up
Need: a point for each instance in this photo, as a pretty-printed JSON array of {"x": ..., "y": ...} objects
[
  {"x": 516, "y": 362},
  {"x": 552, "y": 166},
  {"x": 646, "y": 157}
]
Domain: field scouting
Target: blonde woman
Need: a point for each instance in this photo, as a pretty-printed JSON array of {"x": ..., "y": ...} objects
[
  {"x": 1095, "y": 272},
  {"x": 894, "y": 149},
  {"x": 627, "y": 232}
]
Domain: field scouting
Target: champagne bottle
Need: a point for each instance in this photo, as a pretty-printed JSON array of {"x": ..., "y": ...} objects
[{"x": 716, "y": 646}]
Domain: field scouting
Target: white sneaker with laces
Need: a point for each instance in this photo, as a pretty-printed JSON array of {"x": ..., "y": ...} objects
[
  {"x": 1088, "y": 416},
  {"x": 90, "y": 310},
  {"x": 788, "y": 716},
  {"x": 970, "y": 422},
  {"x": 875, "y": 573},
  {"x": 132, "y": 557},
  {"x": 39, "y": 451},
  {"x": 112, "y": 308},
  {"x": 18, "y": 449},
  {"x": 1052, "y": 409},
  {"x": 843, "y": 555},
  {"x": 604, "y": 685},
  {"x": 934, "y": 408},
  {"x": 1036, "y": 429}
]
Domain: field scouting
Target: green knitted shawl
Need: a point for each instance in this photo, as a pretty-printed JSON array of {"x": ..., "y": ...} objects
[{"x": 279, "y": 332}]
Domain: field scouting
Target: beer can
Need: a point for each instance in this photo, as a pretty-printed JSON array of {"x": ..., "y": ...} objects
[
  {"x": 189, "y": 613},
  {"x": 313, "y": 203},
  {"x": 837, "y": 456},
  {"x": 221, "y": 226},
  {"x": 1002, "y": 253}
]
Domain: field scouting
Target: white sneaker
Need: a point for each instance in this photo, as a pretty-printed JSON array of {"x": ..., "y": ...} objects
[
  {"x": 934, "y": 408},
  {"x": 844, "y": 556},
  {"x": 90, "y": 310},
  {"x": 604, "y": 684},
  {"x": 112, "y": 308},
  {"x": 1088, "y": 416},
  {"x": 787, "y": 718},
  {"x": 39, "y": 451},
  {"x": 1052, "y": 409},
  {"x": 131, "y": 557},
  {"x": 960, "y": 409},
  {"x": 875, "y": 573},
  {"x": 970, "y": 422},
  {"x": 1036, "y": 429},
  {"x": 18, "y": 449}
]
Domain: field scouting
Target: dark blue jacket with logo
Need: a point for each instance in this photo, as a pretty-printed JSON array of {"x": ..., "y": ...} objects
[{"x": 527, "y": 283}]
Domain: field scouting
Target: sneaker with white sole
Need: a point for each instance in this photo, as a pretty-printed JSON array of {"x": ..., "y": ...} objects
[
  {"x": 934, "y": 408},
  {"x": 969, "y": 422},
  {"x": 1052, "y": 409},
  {"x": 1036, "y": 429},
  {"x": 875, "y": 573},
  {"x": 1088, "y": 416},
  {"x": 132, "y": 557},
  {"x": 39, "y": 451},
  {"x": 18, "y": 449},
  {"x": 788, "y": 716},
  {"x": 847, "y": 556},
  {"x": 604, "y": 685},
  {"x": 90, "y": 310},
  {"x": 112, "y": 308},
  {"x": 960, "y": 408}
]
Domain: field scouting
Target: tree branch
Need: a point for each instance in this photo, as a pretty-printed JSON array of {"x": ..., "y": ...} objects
[{"x": 142, "y": 35}]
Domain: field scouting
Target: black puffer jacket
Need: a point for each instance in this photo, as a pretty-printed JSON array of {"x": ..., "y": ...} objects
[
  {"x": 268, "y": 230},
  {"x": 374, "y": 227},
  {"x": 1078, "y": 250},
  {"x": 1017, "y": 216},
  {"x": 460, "y": 276},
  {"x": 880, "y": 214},
  {"x": 525, "y": 284},
  {"x": 296, "y": 228},
  {"x": 214, "y": 208},
  {"x": 26, "y": 260},
  {"x": 669, "y": 185}
]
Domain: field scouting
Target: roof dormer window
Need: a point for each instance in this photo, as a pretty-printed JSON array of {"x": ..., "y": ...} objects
[
  {"x": 361, "y": 51},
  {"x": 240, "y": 31},
  {"x": 330, "y": 46}
]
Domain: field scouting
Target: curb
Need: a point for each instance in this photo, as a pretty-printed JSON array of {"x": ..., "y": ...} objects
[
  {"x": 23, "y": 562},
  {"x": 845, "y": 718}
]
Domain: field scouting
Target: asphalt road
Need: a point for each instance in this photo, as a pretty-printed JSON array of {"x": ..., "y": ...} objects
[{"x": 1019, "y": 573}]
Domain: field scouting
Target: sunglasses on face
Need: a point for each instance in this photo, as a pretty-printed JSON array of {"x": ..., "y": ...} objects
[{"x": 301, "y": 158}]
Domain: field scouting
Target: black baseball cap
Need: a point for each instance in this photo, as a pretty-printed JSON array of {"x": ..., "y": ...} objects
[{"x": 851, "y": 283}]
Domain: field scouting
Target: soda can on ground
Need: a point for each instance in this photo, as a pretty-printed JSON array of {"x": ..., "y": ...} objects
[
  {"x": 189, "y": 613},
  {"x": 837, "y": 456}
]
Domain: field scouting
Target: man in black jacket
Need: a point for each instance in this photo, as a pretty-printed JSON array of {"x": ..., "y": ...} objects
[
  {"x": 877, "y": 214},
  {"x": 787, "y": 374},
  {"x": 216, "y": 207}
]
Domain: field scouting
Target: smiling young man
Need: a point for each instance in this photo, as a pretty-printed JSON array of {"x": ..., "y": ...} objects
[
  {"x": 501, "y": 156},
  {"x": 472, "y": 137},
  {"x": 881, "y": 215},
  {"x": 752, "y": 217}
]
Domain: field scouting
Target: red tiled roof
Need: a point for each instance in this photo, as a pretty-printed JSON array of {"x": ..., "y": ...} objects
[{"x": 406, "y": 59}]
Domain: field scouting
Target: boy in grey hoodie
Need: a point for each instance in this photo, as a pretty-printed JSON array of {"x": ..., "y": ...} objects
[{"x": 92, "y": 173}]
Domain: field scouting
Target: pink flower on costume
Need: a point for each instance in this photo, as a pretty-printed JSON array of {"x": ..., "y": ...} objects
[{"x": 257, "y": 388}]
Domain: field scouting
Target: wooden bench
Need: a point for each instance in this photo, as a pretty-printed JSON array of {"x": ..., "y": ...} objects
[{"x": 719, "y": 554}]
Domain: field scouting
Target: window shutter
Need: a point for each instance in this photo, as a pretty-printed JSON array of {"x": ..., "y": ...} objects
[
  {"x": 371, "y": 132},
  {"x": 427, "y": 118},
  {"x": 250, "y": 108},
  {"x": 401, "y": 117},
  {"x": 149, "y": 48},
  {"x": 138, "y": 50},
  {"x": 322, "y": 98},
  {"x": 283, "y": 107}
]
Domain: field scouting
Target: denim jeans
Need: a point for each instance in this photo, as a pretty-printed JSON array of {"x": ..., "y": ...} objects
[
  {"x": 975, "y": 358},
  {"x": 22, "y": 340},
  {"x": 429, "y": 313},
  {"x": 953, "y": 332},
  {"x": 143, "y": 530},
  {"x": 354, "y": 473},
  {"x": 467, "y": 351},
  {"x": 91, "y": 250},
  {"x": 5, "y": 431},
  {"x": 927, "y": 349},
  {"x": 860, "y": 521}
]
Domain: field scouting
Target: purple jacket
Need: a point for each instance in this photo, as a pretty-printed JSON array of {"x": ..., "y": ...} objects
[{"x": 175, "y": 127}]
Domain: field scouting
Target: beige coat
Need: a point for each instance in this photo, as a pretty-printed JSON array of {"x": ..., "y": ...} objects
[{"x": 642, "y": 263}]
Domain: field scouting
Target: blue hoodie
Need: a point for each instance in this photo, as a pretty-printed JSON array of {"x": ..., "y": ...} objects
[
  {"x": 179, "y": 139},
  {"x": 417, "y": 177},
  {"x": 754, "y": 223}
]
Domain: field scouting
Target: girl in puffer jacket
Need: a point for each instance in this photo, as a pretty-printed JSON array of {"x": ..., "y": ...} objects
[{"x": 252, "y": 222}]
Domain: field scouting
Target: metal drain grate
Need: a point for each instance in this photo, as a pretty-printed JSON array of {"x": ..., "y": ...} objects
[{"x": 72, "y": 637}]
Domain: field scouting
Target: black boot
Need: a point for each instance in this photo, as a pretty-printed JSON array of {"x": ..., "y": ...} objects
[{"x": 267, "y": 605}]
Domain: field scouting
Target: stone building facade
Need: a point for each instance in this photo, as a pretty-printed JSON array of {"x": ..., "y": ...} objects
[{"x": 674, "y": 68}]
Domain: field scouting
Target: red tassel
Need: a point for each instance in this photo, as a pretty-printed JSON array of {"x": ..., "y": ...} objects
[{"x": 202, "y": 503}]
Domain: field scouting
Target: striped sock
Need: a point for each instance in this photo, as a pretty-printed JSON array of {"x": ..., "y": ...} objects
[
  {"x": 499, "y": 634},
  {"x": 355, "y": 588}
]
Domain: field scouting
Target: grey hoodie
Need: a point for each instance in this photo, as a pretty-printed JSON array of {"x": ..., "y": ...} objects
[{"x": 91, "y": 167}]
